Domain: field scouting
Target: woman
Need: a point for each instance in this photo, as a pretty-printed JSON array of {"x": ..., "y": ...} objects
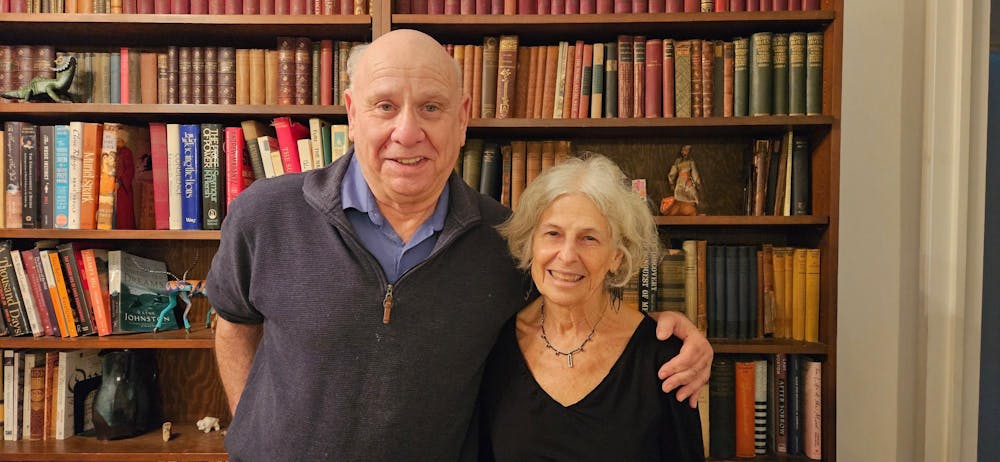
[{"x": 573, "y": 376}]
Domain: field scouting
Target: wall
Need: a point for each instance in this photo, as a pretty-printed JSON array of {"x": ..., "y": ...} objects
[{"x": 879, "y": 222}]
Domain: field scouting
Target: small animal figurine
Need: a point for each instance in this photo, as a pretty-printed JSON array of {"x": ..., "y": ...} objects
[{"x": 55, "y": 89}]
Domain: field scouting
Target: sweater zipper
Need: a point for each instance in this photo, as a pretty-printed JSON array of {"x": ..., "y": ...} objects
[{"x": 387, "y": 304}]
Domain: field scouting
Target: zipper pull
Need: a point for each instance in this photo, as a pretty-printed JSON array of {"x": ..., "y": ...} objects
[{"x": 387, "y": 304}]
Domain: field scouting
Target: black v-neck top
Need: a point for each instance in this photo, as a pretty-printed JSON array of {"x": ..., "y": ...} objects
[{"x": 627, "y": 417}]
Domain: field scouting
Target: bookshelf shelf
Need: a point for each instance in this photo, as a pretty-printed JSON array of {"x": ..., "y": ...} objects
[
  {"x": 199, "y": 338},
  {"x": 768, "y": 346},
  {"x": 799, "y": 220},
  {"x": 534, "y": 29},
  {"x": 85, "y": 112},
  {"x": 187, "y": 444},
  {"x": 687, "y": 126},
  {"x": 112, "y": 235},
  {"x": 174, "y": 29}
]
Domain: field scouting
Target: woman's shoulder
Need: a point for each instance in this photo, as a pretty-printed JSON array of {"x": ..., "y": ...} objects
[{"x": 645, "y": 335}]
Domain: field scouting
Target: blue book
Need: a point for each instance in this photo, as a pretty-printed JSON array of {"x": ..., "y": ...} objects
[
  {"x": 60, "y": 187},
  {"x": 115, "y": 75},
  {"x": 190, "y": 176}
]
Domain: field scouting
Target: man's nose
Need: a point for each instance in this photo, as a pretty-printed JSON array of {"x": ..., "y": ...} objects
[{"x": 408, "y": 130}]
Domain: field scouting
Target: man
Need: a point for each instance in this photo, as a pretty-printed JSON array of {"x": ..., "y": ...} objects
[{"x": 358, "y": 303}]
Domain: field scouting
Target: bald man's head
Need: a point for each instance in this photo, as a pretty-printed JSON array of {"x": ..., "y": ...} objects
[{"x": 402, "y": 41}]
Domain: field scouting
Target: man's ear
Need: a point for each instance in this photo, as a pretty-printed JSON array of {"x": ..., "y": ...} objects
[{"x": 349, "y": 102}]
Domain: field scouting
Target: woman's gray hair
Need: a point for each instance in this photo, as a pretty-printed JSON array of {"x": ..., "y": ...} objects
[{"x": 633, "y": 230}]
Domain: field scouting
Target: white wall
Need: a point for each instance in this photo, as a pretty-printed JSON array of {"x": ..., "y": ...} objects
[{"x": 879, "y": 222}]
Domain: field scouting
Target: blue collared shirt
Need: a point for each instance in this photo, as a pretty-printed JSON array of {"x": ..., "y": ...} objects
[{"x": 376, "y": 232}]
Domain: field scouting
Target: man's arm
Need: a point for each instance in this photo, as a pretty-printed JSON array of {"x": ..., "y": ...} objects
[
  {"x": 235, "y": 347},
  {"x": 691, "y": 368}
]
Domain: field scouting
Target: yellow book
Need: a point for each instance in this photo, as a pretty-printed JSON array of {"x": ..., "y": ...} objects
[
  {"x": 812, "y": 295},
  {"x": 67, "y": 315},
  {"x": 789, "y": 298},
  {"x": 799, "y": 294},
  {"x": 691, "y": 279},
  {"x": 779, "y": 293}
]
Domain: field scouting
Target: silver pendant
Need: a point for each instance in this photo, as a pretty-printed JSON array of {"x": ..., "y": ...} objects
[{"x": 569, "y": 360}]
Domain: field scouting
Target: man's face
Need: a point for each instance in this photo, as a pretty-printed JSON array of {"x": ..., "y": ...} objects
[{"x": 407, "y": 119}]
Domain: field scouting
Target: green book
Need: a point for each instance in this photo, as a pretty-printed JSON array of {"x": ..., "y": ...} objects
[
  {"x": 472, "y": 162},
  {"x": 137, "y": 293},
  {"x": 718, "y": 78},
  {"x": 611, "y": 79},
  {"x": 761, "y": 79},
  {"x": 741, "y": 77},
  {"x": 327, "y": 141},
  {"x": 797, "y": 73},
  {"x": 814, "y": 73},
  {"x": 780, "y": 74}
]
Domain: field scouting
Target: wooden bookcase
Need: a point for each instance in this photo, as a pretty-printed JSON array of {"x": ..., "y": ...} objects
[{"x": 188, "y": 376}]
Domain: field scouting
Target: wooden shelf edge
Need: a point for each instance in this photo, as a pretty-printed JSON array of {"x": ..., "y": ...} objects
[
  {"x": 176, "y": 19},
  {"x": 705, "y": 220},
  {"x": 767, "y": 346},
  {"x": 199, "y": 110},
  {"x": 632, "y": 18},
  {"x": 187, "y": 444},
  {"x": 199, "y": 338},
  {"x": 111, "y": 235},
  {"x": 685, "y": 122}
]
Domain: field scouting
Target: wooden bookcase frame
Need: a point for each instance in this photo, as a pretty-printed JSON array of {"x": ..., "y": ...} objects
[{"x": 189, "y": 380}]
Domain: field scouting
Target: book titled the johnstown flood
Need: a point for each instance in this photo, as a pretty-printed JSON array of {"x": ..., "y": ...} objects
[{"x": 137, "y": 293}]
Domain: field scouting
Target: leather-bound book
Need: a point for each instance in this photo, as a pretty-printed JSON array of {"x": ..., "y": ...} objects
[
  {"x": 258, "y": 91},
  {"x": 654, "y": 79},
  {"x": 226, "y": 84},
  {"x": 286, "y": 70},
  {"x": 668, "y": 78},
  {"x": 507, "y": 71},
  {"x": 491, "y": 57}
]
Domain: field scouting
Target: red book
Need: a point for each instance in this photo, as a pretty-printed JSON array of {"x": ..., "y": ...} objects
[
  {"x": 572, "y": 6},
  {"x": 180, "y": 7},
  {"x": 526, "y": 7},
  {"x": 239, "y": 173},
  {"x": 326, "y": 72},
  {"x": 543, "y": 7},
  {"x": 297, "y": 7},
  {"x": 129, "y": 7},
  {"x": 765, "y": 5},
  {"x": 779, "y": 5},
  {"x": 464, "y": 7},
  {"x": 231, "y": 7},
  {"x": 654, "y": 78},
  {"x": 753, "y": 5},
  {"x": 435, "y": 7},
  {"x": 692, "y": 6},
  {"x": 347, "y": 7},
  {"x": 605, "y": 7},
  {"x": 721, "y": 5},
  {"x": 668, "y": 78},
  {"x": 622, "y": 6},
  {"x": 401, "y": 6},
  {"x": 557, "y": 7},
  {"x": 145, "y": 7},
  {"x": 266, "y": 7},
  {"x": 482, "y": 6},
  {"x": 35, "y": 286},
  {"x": 738, "y": 5},
  {"x": 655, "y": 6},
  {"x": 216, "y": 7},
  {"x": 810, "y": 5},
  {"x": 161, "y": 191},
  {"x": 794, "y": 5},
  {"x": 161, "y": 6},
  {"x": 18, "y": 6},
  {"x": 282, "y": 7},
  {"x": 288, "y": 134},
  {"x": 251, "y": 7},
  {"x": 199, "y": 6},
  {"x": 588, "y": 6},
  {"x": 675, "y": 6},
  {"x": 124, "y": 71},
  {"x": 744, "y": 409}
]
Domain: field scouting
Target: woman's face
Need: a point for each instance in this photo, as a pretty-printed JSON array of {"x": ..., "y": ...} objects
[{"x": 572, "y": 251}]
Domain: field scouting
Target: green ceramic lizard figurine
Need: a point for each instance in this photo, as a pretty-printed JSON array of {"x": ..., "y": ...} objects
[{"x": 65, "y": 69}]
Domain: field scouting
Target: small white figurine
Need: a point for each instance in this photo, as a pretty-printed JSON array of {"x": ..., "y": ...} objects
[{"x": 208, "y": 424}]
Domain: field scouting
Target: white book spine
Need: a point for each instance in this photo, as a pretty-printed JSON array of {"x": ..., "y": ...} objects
[
  {"x": 174, "y": 174},
  {"x": 75, "y": 173}
]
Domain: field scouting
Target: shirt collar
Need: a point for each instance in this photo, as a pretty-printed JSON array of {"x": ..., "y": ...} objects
[{"x": 356, "y": 194}]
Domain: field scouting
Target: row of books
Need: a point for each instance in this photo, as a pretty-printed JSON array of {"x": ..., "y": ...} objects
[
  {"x": 758, "y": 406},
  {"x": 503, "y": 170},
  {"x": 297, "y": 71},
  {"x": 512, "y": 7},
  {"x": 45, "y": 393},
  {"x": 86, "y": 175},
  {"x": 76, "y": 289},
  {"x": 738, "y": 291},
  {"x": 777, "y": 180},
  {"x": 765, "y": 74},
  {"x": 214, "y": 7}
]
